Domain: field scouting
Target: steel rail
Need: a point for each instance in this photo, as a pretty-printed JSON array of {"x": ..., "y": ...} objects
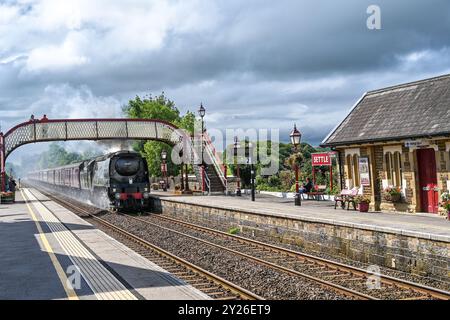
[
  {"x": 387, "y": 280},
  {"x": 235, "y": 289},
  {"x": 343, "y": 290}
]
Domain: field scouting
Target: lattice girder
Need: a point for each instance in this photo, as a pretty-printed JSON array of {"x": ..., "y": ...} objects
[{"x": 91, "y": 129}]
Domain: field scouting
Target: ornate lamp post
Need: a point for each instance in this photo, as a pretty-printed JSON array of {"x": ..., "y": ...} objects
[
  {"x": 164, "y": 168},
  {"x": 252, "y": 169},
  {"x": 201, "y": 113},
  {"x": 296, "y": 137},
  {"x": 236, "y": 147}
]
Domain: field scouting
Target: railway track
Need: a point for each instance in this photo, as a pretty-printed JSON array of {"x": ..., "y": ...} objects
[
  {"x": 207, "y": 282},
  {"x": 343, "y": 279},
  {"x": 346, "y": 279}
]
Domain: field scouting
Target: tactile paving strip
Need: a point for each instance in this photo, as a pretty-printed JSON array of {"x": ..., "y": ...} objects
[{"x": 102, "y": 282}]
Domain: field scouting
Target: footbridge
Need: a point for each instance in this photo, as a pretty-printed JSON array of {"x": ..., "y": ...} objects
[{"x": 45, "y": 130}]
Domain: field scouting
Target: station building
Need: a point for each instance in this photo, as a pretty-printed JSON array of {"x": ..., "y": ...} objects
[{"x": 398, "y": 137}]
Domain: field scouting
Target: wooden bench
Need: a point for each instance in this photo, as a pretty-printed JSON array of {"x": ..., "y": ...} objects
[
  {"x": 346, "y": 197},
  {"x": 317, "y": 195}
]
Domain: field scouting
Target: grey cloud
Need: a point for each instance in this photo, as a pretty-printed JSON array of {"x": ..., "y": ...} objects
[{"x": 258, "y": 58}]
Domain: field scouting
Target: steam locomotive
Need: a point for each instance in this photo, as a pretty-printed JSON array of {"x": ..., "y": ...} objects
[{"x": 121, "y": 178}]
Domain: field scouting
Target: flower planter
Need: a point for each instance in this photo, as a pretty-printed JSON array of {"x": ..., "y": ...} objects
[
  {"x": 363, "y": 207},
  {"x": 7, "y": 197},
  {"x": 392, "y": 198}
]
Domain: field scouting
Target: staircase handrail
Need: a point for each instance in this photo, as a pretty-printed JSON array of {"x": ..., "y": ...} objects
[
  {"x": 217, "y": 162},
  {"x": 207, "y": 181}
]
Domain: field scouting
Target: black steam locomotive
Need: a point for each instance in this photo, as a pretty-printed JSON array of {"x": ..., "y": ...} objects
[{"x": 120, "y": 178}]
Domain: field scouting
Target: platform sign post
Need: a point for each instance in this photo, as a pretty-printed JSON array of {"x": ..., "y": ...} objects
[{"x": 322, "y": 159}]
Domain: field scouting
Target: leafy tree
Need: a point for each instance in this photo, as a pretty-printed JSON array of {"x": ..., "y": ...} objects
[
  {"x": 284, "y": 180},
  {"x": 161, "y": 108},
  {"x": 57, "y": 156},
  {"x": 187, "y": 122}
]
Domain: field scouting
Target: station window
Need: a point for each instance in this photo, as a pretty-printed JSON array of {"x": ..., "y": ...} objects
[
  {"x": 356, "y": 170},
  {"x": 393, "y": 163},
  {"x": 353, "y": 169},
  {"x": 349, "y": 166}
]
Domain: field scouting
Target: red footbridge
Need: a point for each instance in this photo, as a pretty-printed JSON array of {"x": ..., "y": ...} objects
[{"x": 45, "y": 130}]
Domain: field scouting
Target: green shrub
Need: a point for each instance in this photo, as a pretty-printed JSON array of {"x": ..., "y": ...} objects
[{"x": 234, "y": 230}]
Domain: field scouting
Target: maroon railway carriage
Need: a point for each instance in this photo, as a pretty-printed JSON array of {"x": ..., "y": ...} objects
[{"x": 122, "y": 177}]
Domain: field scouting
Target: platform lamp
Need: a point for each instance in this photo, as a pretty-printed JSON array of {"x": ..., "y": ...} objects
[
  {"x": 201, "y": 113},
  {"x": 296, "y": 137},
  {"x": 164, "y": 168},
  {"x": 238, "y": 182},
  {"x": 252, "y": 169}
]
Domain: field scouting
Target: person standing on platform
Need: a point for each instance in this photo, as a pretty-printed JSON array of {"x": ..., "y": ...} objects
[{"x": 12, "y": 188}]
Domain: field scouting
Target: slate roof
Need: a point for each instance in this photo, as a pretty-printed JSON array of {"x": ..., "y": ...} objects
[{"x": 411, "y": 110}]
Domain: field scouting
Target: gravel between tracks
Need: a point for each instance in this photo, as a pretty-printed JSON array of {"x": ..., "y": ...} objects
[
  {"x": 257, "y": 278},
  {"x": 386, "y": 271},
  {"x": 271, "y": 285},
  {"x": 282, "y": 260}
]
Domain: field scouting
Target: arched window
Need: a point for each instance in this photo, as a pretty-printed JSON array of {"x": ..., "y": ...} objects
[
  {"x": 356, "y": 170},
  {"x": 353, "y": 170},
  {"x": 349, "y": 166},
  {"x": 393, "y": 165},
  {"x": 398, "y": 169}
]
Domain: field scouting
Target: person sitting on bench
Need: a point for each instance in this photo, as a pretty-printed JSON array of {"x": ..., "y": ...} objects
[{"x": 307, "y": 187}]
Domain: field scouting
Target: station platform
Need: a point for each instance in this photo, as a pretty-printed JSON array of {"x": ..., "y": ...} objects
[
  {"x": 48, "y": 252},
  {"x": 413, "y": 243},
  {"x": 427, "y": 226}
]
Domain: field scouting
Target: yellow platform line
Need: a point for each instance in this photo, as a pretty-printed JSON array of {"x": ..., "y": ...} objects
[
  {"x": 71, "y": 294},
  {"x": 103, "y": 284}
]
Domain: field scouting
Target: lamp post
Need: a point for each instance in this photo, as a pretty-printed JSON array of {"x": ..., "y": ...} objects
[
  {"x": 296, "y": 137},
  {"x": 236, "y": 147},
  {"x": 181, "y": 171},
  {"x": 252, "y": 169},
  {"x": 164, "y": 168},
  {"x": 201, "y": 113}
]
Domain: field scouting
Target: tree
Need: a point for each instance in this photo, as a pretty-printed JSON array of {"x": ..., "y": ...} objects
[
  {"x": 57, "y": 156},
  {"x": 160, "y": 108}
]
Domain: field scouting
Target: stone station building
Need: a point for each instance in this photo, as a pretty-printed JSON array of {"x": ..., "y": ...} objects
[{"x": 398, "y": 137}]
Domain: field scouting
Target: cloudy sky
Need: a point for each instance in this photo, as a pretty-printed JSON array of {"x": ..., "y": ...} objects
[{"x": 253, "y": 63}]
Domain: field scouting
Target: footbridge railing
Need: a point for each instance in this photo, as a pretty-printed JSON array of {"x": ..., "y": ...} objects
[{"x": 45, "y": 130}]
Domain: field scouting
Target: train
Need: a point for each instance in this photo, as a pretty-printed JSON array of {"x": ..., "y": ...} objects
[{"x": 120, "y": 177}]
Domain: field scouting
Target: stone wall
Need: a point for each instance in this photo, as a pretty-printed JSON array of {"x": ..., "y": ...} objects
[{"x": 406, "y": 253}]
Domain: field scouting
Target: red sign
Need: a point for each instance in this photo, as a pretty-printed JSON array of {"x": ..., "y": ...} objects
[
  {"x": 321, "y": 159},
  {"x": 163, "y": 167}
]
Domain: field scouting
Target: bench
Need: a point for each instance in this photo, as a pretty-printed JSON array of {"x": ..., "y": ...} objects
[
  {"x": 317, "y": 195},
  {"x": 346, "y": 197}
]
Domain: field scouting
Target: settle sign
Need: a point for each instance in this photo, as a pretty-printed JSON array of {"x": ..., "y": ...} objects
[{"x": 321, "y": 159}]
